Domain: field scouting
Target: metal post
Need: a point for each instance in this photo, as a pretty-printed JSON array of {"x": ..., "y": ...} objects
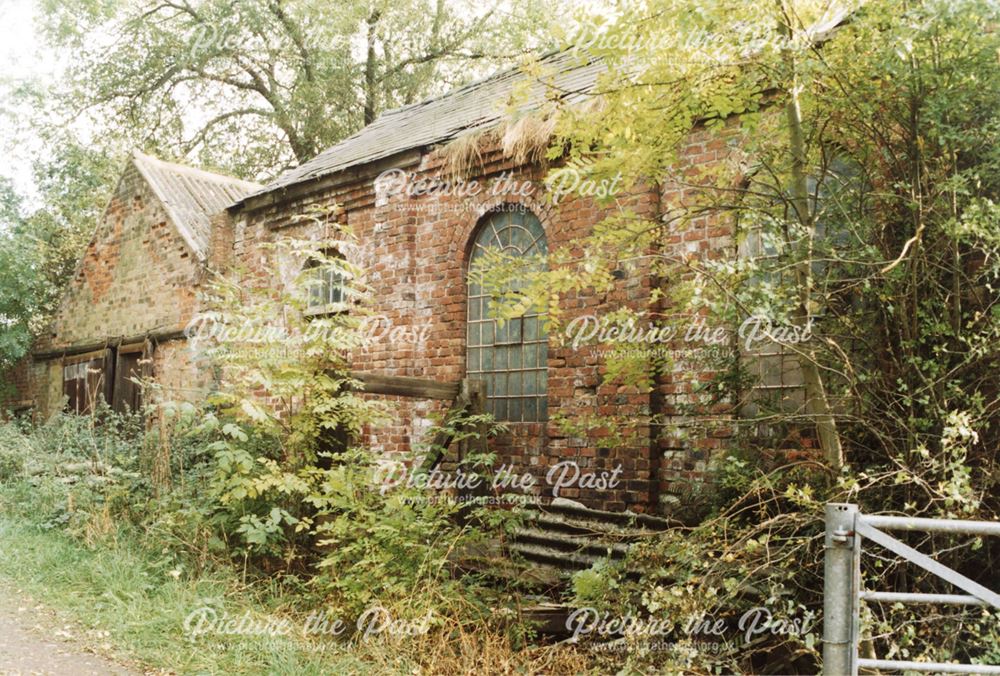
[{"x": 840, "y": 586}]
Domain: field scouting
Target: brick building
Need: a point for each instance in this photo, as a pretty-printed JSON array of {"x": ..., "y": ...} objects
[
  {"x": 416, "y": 247},
  {"x": 137, "y": 284},
  {"x": 133, "y": 292}
]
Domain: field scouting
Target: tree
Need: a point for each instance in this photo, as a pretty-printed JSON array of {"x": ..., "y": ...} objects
[
  {"x": 254, "y": 86},
  {"x": 249, "y": 86},
  {"x": 862, "y": 151},
  {"x": 40, "y": 244},
  {"x": 780, "y": 74}
]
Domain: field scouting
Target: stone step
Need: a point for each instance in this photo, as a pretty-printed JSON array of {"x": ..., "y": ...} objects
[
  {"x": 600, "y": 521},
  {"x": 562, "y": 562}
]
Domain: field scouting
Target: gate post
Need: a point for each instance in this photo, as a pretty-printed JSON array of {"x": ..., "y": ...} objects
[{"x": 840, "y": 591}]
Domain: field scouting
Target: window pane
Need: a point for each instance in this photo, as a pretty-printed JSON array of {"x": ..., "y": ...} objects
[
  {"x": 337, "y": 289},
  {"x": 325, "y": 283},
  {"x": 498, "y": 354},
  {"x": 530, "y": 328},
  {"x": 530, "y": 409},
  {"x": 514, "y": 358},
  {"x": 487, "y": 310},
  {"x": 514, "y": 384},
  {"x": 514, "y": 410},
  {"x": 514, "y": 332},
  {"x": 521, "y": 238},
  {"x": 502, "y": 333},
  {"x": 771, "y": 369},
  {"x": 529, "y": 383}
]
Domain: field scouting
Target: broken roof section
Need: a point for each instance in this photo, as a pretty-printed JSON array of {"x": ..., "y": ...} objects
[
  {"x": 191, "y": 196},
  {"x": 475, "y": 106}
]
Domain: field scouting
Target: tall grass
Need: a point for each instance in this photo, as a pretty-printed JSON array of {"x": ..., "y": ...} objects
[{"x": 83, "y": 530}]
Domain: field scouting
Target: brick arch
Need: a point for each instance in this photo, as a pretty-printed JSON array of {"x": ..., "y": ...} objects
[{"x": 463, "y": 243}]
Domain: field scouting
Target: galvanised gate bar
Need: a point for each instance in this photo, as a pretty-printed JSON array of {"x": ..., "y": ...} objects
[{"x": 846, "y": 526}]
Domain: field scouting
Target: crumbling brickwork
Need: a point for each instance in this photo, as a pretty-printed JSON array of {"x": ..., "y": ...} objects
[
  {"x": 415, "y": 252},
  {"x": 141, "y": 275},
  {"x": 138, "y": 276}
]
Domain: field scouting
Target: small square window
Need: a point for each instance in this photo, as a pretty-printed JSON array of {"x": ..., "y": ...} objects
[{"x": 326, "y": 285}]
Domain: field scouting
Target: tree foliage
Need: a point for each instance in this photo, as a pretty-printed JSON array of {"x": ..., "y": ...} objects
[
  {"x": 859, "y": 153},
  {"x": 254, "y": 86},
  {"x": 249, "y": 87},
  {"x": 41, "y": 241}
]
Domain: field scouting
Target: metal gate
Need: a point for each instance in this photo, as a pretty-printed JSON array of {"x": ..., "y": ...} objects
[{"x": 842, "y": 593}]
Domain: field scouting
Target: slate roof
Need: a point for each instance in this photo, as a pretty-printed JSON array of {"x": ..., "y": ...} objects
[
  {"x": 475, "y": 106},
  {"x": 191, "y": 196}
]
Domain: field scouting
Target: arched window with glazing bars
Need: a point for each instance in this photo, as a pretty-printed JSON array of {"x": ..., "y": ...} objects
[{"x": 510, "y": 357}]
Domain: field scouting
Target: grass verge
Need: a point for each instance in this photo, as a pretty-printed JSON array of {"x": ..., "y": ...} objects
[{"x": 142, "y": 603}]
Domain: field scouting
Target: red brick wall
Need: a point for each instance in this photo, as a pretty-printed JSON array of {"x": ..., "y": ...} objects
[
  {"x": 695, "y": 431},
  {"x": 136, "y": 276},
  {"x": 415, "y": 252},
  {"x": 16, "y": 387}
]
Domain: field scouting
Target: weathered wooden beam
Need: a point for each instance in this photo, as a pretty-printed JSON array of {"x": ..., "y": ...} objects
[
  {"x": 402, "y": 386},
  {"x": 83, "y": 348},
  {"x": 471, "y": 397}
]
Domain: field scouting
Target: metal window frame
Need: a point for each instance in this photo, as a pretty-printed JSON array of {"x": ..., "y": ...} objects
[
  {"x": 491, "y": 231},
  {"x": 330, "y": 285}
]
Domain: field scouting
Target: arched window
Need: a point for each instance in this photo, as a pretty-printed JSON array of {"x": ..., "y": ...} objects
[{"x": 512, "y": 358}]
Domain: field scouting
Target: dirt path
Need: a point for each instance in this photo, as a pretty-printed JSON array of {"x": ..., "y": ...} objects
[{"x": 32, "y": 641}]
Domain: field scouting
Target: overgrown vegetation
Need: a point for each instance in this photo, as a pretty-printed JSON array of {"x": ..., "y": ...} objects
[
  {"x": 858, "y": 164},
  {"x": 860, "y": 178},
  {"x": 87, "y": 531},
  {"x": 264, "y": 505},
  {"x": 244, "y": 87},
  {"x": 41, "y": 240}
]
